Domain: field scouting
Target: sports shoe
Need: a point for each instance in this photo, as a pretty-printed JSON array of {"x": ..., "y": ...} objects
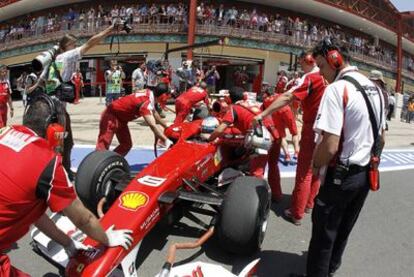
[{"x": 288, "y": 215}]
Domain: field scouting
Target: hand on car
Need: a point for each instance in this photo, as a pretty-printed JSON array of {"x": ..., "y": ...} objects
[
  {"x": 257, "y": 119},
  {"x": 121, "y": 237},
  {"x": 75, "y": 246}
]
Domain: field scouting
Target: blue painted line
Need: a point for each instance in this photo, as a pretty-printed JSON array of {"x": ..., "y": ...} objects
[{"x": 140, "y": 157}]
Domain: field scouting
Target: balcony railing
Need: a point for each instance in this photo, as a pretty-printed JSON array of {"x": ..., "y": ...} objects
[
  {"x": 4, "y": 3},
  {"x": 44, "y": 35}
]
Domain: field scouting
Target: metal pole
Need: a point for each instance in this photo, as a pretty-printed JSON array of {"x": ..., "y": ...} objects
[{"x": 191, "y": 27}]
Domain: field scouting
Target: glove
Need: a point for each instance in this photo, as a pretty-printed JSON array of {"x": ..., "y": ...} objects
[
  {"x": 120, "y": 237},
  {"x": 168, "y": 143},
  {"x": 75, "y": 246}
]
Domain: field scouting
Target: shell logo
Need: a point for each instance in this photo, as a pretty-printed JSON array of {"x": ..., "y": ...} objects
[{"x": 133, "y": 200}]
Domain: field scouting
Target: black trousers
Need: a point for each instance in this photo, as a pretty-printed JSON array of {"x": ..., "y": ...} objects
[
  {"x": 336, "y": 210},
  {"x": 67, "y": 146},
  {"x": 390, "y": 112}
]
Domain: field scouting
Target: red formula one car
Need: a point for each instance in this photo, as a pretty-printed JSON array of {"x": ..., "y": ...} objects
[{"x": 192, "y": 176}]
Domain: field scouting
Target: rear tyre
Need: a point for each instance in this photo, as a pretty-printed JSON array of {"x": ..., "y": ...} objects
[
  {"x": 243, "y": 221},
  {"x": 96, "y": 177}
]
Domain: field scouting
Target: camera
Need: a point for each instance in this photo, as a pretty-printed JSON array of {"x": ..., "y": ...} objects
[
  {"x": 45, "y": 58},
  {"x": 125, "y": 26}
]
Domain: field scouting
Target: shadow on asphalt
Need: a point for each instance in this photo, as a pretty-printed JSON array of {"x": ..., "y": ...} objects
[
  {"x": 278, "y": 208},
  {"x": 14, "y": 246}
]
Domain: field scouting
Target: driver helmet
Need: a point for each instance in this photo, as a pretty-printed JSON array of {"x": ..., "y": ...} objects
[{"x": 208, "y": 126}]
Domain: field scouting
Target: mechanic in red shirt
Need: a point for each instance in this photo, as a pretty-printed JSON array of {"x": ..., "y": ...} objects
[
  {"x": 5, "y": 96},
  {"x": 282, "y": 119},
  {"x": 282, "y": 81},
  {"x": 28, "y": 188},
  {"x": 309, "y": 91},
  {"x": 187, "y": 100},
  {"x": 241, "y": 116},
  {"x": 115, "y": 118}
]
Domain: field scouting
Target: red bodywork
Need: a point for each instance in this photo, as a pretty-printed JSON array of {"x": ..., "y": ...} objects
[{"x": 186, "y": 159}]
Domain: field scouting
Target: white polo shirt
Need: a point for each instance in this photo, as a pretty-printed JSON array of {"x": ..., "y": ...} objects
[{"x": 358, "y": 138}]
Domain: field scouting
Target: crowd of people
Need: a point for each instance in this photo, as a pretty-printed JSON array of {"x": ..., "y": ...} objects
[{"x": 296, "y": 30}]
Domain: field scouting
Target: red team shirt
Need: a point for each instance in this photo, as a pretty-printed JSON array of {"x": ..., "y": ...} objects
[
  {"x": 134, "y": 105},
  {"x": 241, "y": 117},
  {"x": 193, "y": 96},
  {"x": 32, "y": 178},
  {"x": 309, "y": 91},
  {"x": 4, "y": 92}
]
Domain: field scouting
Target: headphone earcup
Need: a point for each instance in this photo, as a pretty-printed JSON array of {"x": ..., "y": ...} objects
[{"x": 334, "y": 59}]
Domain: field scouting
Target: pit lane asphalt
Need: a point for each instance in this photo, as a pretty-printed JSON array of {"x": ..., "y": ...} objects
[{"x": 381, "y": 243}]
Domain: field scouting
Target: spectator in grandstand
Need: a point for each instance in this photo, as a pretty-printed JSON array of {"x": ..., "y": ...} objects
[
  {"x": 113, "y": 78},
  {"x": 139, "y": 78},
  {"x": 220, "y": 15},
  {"x": 71, "y": 16},
  {"x": 91, "y": 19},
  {"x": 114, "y": 13},
  {"x": 5, "y": 96}
]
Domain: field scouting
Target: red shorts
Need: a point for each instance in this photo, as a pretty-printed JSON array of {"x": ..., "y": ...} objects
[
  {"x": 3, "y": 115},
  {"x": 285, "y": 120}
]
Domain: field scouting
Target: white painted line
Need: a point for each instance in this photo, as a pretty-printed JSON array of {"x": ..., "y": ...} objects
[
  {"x": 402, "y": 158},
  {"x": 396, "y": 168},
  {"x": 394, "y": 158}
]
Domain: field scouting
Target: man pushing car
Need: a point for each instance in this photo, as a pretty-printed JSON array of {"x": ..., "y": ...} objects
[
  {"x": 186, "y": 101},
  {"x": 241, "y": 114},
  {"x": 115, "y": 118}
]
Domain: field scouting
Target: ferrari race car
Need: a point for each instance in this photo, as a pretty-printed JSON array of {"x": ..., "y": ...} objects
[{"x": 193, "y": 176}]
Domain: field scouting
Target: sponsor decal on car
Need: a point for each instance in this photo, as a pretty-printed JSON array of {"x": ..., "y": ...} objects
[
  {"x": 203, "y": 162},
  {"x": 218, "y": 157},
  {"x": 133, "y": 200},
  {"x": 150, "y": 219},
  {"x": 151, "y": 181}
]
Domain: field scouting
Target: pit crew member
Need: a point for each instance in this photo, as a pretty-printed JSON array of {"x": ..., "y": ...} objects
[
  {"x": 347, "y": 142},
  {"x": 309, "y": 91},
  {"x": 5, "y": 96},
  {"x": 241, "y": 117},
  {"x": 30, "y": 188},
  {"x": 115, "y": 118},
  {"x": 282, "y": 119},
  {"x": 189, "y": 99}
]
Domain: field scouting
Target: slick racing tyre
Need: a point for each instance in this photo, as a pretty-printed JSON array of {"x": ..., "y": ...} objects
[
  {"x": 243, "y": 221},
  {"x": 95, "y": 177}
]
